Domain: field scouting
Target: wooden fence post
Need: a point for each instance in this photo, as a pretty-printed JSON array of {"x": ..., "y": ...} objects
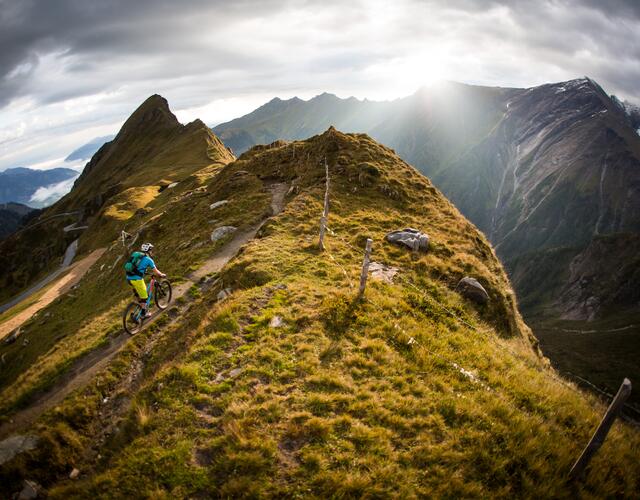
[
  {"x": 123, "y": 236},
  {"x": 325, "y": 212},
  {"x": 578, "y": 469},
  {"x": 365, "y": 267}
]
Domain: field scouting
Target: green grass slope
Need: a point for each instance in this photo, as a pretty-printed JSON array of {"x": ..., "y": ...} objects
[
  {"x": 292, "y": 387},
  {"x": 151, "y": 151}
]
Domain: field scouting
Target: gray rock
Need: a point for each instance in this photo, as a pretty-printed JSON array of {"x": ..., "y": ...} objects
[
  {"x": 12, "y": 337},
  {"x": 381, "y": 272},
  {"x": 29, "y": 491},
  {"x": 472, "y": 289},
  {"x": 172, "y": 185},
  {"x": 217, "y": 204},
  {"x": 74, "y": 473},
  {"x": 221, "y": 232},
  {"x": 14, "y": 445},
  {"x": 276, "y": 322},
  {"x": 409, "y": 237},
  {"x": 235, "y": 372},
  {"x": 223, "y": 294}
]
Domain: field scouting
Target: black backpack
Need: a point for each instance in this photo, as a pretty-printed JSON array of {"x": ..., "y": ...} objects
[{"x": 131, "y": 266}]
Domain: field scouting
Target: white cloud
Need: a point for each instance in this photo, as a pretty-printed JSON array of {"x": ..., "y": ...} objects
[{"x": 47, "y": 195}]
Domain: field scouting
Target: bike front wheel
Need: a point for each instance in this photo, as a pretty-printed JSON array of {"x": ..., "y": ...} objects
[
  {"x": 162, "y": 294},
  {"x": 133, "y": 318}
]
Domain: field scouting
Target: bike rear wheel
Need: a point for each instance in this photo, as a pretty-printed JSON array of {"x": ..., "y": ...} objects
[
  {"x": 162, "y": 294},
  {"x": 133, "y": 318}
]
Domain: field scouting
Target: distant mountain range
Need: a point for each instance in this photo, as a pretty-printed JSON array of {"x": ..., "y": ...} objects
[
  {"x": 86, "y": 151},
  {"x": 41, "y": 188},
  {"x": 551, "y": 174},
  {"x": 36, "y": 188}
]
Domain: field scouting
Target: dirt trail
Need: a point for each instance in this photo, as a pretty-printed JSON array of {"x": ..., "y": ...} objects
[
  {"x": 60, "y": 287},
  {"x": 88, "y": 366},
  {"x": 69, "y": 255}
]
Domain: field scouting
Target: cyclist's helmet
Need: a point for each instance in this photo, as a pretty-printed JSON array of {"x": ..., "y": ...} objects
[{"x": 146, "y": 247}]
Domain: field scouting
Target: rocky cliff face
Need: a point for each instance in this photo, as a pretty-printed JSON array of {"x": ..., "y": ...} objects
[{"x": 561, "y": 168}]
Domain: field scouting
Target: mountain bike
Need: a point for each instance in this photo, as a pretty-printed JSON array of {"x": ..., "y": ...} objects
[{"x": 158, "y": 292}]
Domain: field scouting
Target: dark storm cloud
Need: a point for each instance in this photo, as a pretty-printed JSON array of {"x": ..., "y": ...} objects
[
  {"x": 161, "y": 39},
  {"x": 91, "y": 33},
  {"x": 73, "y": 67}
]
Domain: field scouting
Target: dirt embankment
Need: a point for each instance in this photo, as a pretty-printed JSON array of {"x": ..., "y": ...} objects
[{"x": 60, "y": 287}]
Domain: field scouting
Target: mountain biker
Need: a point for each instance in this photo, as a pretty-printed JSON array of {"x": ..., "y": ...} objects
[{"x": 136, "y": 277}]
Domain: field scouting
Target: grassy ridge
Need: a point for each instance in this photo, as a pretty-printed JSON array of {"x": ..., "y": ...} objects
[{"x": 390, "y": 396}]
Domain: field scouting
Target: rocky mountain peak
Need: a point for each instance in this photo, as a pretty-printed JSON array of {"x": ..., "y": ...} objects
[{"x": 153, "y": 114}]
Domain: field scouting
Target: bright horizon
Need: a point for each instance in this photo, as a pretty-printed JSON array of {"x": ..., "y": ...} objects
[{"x": 69, "y": 74}]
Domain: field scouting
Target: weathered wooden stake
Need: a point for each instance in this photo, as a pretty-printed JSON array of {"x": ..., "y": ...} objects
[
  {"x": 325, "y": 212},
  {"x": 578, "y": 469},
  {"x": 365, "y": 267},
  {"x": 323, "y": 226},
  {"x": 123, "y": 236}
]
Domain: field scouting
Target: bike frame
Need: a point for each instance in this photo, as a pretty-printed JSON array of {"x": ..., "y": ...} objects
[{"x": 150, "y": 288}]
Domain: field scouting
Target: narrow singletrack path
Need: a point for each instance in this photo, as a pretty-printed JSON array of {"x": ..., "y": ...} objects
[{"x": 92, "y": 363}]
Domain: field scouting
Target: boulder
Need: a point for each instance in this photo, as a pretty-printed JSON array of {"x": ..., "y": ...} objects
[
  {"x": 382, "y": 272},
  {"x": 14, "y": 445},
  {"x": 472, "y": 289},
  {"x": 30, "y": 490},
  {"x": 221, "y": 232},
  {"x": 409, "y": 237},
  {"x": 217, "y": 204},
  {"x": 13, "y": 336}
]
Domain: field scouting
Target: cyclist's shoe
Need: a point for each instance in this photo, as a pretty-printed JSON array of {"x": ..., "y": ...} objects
[{"x": 147, "y": 315}]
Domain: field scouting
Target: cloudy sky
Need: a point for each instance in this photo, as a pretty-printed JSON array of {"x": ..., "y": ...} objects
[{"x": 72, "y": 70}]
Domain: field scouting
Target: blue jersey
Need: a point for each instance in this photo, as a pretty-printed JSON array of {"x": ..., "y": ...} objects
[{"x": 145, "y": 263}]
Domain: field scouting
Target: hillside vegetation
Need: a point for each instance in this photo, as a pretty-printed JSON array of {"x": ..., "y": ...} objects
[
  {"x": 286, "y": 384},
  {"x": 551, "y": 174},
  {"x": 151, "y": 151}
]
